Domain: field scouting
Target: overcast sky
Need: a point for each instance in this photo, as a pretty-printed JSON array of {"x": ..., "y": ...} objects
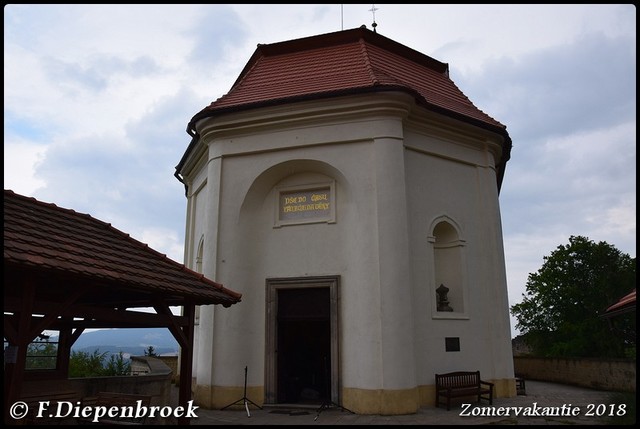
[{"x": 97, "y": 99}]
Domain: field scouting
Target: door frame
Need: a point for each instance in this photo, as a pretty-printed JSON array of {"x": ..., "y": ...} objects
[{"x": 273, "y": 285}]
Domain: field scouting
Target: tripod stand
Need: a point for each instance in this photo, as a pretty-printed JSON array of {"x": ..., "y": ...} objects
[
  {"x": 328, "y": 403},
  {"x": 246, "y": 401}
]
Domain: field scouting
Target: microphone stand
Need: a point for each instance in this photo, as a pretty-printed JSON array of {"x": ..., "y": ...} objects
[
  {"x": 328, "y": 403},
  {"x": 246, "y": 401}
]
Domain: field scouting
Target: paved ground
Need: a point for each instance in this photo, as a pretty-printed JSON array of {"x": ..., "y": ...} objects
[{"x": 541, "y": 397}]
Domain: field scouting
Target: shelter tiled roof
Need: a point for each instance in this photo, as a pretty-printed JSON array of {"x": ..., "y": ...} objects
[
  {"x": 350, "y": 61},
  {"x": 45, "y": 238}
]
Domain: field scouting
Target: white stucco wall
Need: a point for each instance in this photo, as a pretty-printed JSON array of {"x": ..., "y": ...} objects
[{"x": 461, "y": 190}]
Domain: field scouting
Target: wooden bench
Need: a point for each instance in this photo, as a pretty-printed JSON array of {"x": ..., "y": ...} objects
[
  {"x": 119, "y": 400},
  {"x": 461, "y": 384},
  {"x": 42, "y": 413}
]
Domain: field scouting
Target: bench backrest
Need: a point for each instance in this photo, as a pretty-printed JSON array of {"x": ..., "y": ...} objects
[{"x": 458, "y": 379}]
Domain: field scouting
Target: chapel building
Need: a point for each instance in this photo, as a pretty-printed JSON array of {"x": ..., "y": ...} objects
[{"x": 349, "y": 190}]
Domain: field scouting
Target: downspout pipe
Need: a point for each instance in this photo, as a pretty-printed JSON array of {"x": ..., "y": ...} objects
[{"x": 176, "y": 174}]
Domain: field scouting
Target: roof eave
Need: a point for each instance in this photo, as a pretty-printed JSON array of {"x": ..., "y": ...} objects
[{"x": 213, "y": 112}]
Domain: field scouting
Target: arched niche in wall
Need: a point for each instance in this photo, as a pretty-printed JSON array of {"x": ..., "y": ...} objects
[
  {"x": 449, "y": 282},
  {"x": 258, "y": 217},
  {"x": 296, "y": 172}
]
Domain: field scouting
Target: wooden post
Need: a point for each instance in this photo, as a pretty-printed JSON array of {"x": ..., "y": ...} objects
[{"x": 186, "y": 361}]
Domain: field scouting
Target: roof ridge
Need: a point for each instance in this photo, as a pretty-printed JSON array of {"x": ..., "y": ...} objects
[
  {"x": 367, "y": 61},
  {"x": 466, "y": 97},
  {"x": 382, "y": 75},
  {"x": 243, "y": 75}
]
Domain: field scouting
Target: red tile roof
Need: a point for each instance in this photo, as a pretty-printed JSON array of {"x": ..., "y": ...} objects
[
  {"x": 48, "y": 239},
  {"x": 340, "y": 63},
  {"x": 350, "y": 61}
]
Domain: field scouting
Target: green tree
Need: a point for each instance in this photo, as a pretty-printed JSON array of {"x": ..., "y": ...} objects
[
  {"x": 561, "y": 309},
  {"x": 41, "y": 354},
  {"x": 117, "y": 365},
  {"x": 150, "y": 351},
  {"x": 96, "y": 364},
  {"x": 83, "y": 364}
]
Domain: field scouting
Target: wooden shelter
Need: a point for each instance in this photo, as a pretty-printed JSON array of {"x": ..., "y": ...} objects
[{"x": 68, "y": 271}]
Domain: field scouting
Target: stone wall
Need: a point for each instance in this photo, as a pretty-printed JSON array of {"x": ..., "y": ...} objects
[
  {"x": 602, "y": 374},
  {"x": 155, "y": 383}
]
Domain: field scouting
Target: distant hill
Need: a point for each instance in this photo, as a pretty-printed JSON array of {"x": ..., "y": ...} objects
[{"x": 133, "y": 341}]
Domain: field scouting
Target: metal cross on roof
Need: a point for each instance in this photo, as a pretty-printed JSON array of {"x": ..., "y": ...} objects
[{"x": 373, "y": 12}]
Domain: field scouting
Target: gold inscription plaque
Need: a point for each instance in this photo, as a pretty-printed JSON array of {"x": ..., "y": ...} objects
[{"x": 305, "y": 205}]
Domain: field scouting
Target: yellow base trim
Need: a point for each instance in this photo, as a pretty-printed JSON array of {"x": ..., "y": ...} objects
[
  {"x": 360, "y": 401},
  {"x": 217, "y": 397},
  {"x": 382, "y": 402},
  {"x": 505, "y": 388}
]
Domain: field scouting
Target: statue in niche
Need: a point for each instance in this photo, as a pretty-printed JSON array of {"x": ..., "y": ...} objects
[{"x": 443, "y": 300}]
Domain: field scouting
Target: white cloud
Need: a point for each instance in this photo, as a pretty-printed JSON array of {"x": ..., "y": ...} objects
[
  {"x": 20, "y": 160},
  {"x": 167, "y": 239}
]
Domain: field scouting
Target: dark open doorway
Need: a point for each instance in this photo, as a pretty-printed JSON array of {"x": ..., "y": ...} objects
[
  {"x": 304, "y": 345},
  {"x": 301, "y": 360}
]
